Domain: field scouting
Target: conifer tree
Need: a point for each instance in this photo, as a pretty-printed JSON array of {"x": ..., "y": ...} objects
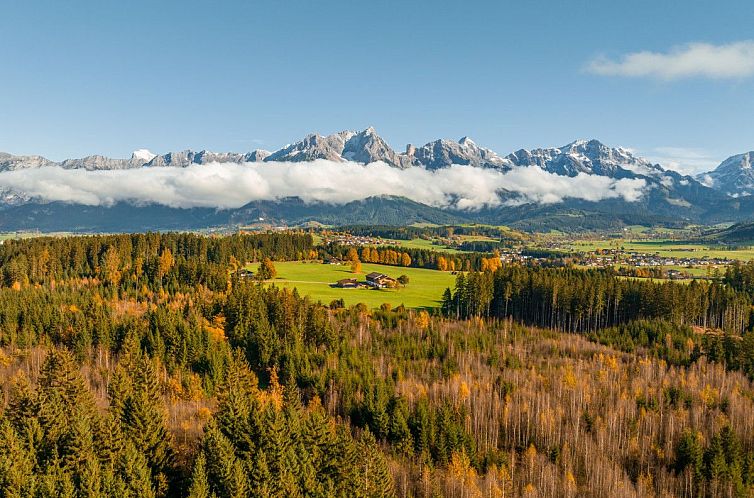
[
  {"x": 134, "y": 471},
  {"x": 199, "y": 487},
  {"x": 261, "y": 478},
  {"x": 225, "y": 472}
]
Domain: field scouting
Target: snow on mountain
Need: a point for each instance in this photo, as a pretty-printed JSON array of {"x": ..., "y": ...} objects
[
  {"x": 257, "y": 155},
  {"x": 368, "y": 147},
  {"x": 10, "y": 162},
  {"x": 587, "y": 156},
  {"x": 442, "y": 153},
  {"x": 734, "y": 176},
  {"x": 314, "y": 146},
  {"x": 143, "y": 155},
  {"x": 187, "y": 157}
]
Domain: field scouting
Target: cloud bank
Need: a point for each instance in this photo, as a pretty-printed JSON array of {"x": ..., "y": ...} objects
[
  {"x": 733, "y": 60},
  {"x": 230, "y": 185}
]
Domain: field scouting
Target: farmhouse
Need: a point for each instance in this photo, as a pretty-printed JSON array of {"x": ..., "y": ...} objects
[
  {"x": 347, "y": 283},
  {"x": 380, "y": 280},
  {"x": 244, "y": 273}
]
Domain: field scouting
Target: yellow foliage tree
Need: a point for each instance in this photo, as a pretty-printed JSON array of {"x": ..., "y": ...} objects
[{"x": 442, "y": 263}]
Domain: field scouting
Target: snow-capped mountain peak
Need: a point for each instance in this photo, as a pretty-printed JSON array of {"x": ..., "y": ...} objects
[
  {"x": 590, "y": 157},
  {"x": 734, "y": 176},
  {"x": 143, "y": 154}
]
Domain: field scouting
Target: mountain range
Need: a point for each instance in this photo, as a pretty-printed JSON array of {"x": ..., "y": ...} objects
[{"x": 724, "y": 194}]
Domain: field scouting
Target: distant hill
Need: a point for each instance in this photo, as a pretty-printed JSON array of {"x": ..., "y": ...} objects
[
  {"x": 740, "y": 233},
  {"x": 124, "y": 217}
]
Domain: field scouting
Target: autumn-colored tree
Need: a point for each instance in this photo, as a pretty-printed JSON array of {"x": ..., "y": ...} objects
[
  {"x": 356, "y": 266},
  {"x": 165, "y": 263},
  {"x": 442, "y": 263},
  {"x": 267, "y": 270},
  {"x": 110, "y": 267}
]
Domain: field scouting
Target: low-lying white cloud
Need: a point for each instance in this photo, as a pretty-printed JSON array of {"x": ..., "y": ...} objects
[
  {"x": 733, "y": 60},
  {"x": 230, "y": 185}
]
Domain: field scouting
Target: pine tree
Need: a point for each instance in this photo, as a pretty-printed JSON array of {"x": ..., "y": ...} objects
[
  {"x": 78, "y": 444},
  {"x": 145, "y": 425},
  {"x": 60, "y": 376},
  {"x": 23, "y": 404},
  {"x": 225, "y": 472},
  {"x": 56, "y": 483},
  {"x": 89, "y": 482},
  {"x": 199, "y": 487},
  {"x": 690, "y": 454},
  {"x": 261, "y": 478},
  {"x": 133, "y": 469},
  {"x": 109, "y": 440},
  {"x": 17, "y": 464},
  {"x": 375, "y": 475},
  {"x": 235, "y": 405}
]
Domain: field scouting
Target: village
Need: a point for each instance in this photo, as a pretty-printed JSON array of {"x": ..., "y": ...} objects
[{"x": 610, "y": 257}]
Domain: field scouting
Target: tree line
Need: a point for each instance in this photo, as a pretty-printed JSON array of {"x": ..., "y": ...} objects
[{"x": 588, "y": 300}]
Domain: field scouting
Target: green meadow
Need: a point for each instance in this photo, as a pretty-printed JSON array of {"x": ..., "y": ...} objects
[
  {"x": 424, "y": 289},
  {"x": 419, "y": 243},
  {"x": 669, "y": 248}
]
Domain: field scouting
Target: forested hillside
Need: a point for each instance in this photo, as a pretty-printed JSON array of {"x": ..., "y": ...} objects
[{"x": 145, "y": 366}]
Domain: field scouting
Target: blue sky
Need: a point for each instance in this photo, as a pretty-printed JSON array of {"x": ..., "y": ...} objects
[{"x": 108, "y": 77}]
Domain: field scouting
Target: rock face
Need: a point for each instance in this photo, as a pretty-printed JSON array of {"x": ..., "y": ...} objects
[
  {"x": 734, "y": 176},
  {"x": 313, "y": 147},
  {"x": 186, "y": 158},
  {"x": 368, "y": 147},
  {"x": 9, "y": 162},
  {"x": 590, "y": 157},
  {"x": 442, "y": 153},
  {"x": 257, "y": 156},
  {"x": 361, "y": 147},
  {"x": 95, "y": 163}
]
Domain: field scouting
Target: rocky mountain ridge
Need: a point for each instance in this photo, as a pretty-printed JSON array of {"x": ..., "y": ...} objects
[
  {"x": 724, "y": 194},
  {"x": 734, "y": 176}
]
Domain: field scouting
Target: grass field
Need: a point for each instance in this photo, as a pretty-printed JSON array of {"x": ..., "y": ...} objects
[
  {"x": 424, "y": 289},
  {"x": 29, "y": 235},
  {"x": 427, "y": 244},
  {"x": 420, "y": 244},
  {"x": 668, "y": 248}
]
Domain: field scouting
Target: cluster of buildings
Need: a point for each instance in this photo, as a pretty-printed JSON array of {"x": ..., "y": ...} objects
[
  {"x": 514, "y": 257},
  {"x": 346, "y": 239},
  {"x": 613, "y": 256},
  {"x": 374, "y": 280}
]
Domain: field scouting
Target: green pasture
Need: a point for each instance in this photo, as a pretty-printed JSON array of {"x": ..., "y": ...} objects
[
  {"x": 669, "y": 248},
  {"x": 424, "y": 289}
]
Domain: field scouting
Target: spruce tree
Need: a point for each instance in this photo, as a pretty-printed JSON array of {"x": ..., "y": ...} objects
[
  {"x": 134, "y": 471},
  {"x": 199, "y": 487}
]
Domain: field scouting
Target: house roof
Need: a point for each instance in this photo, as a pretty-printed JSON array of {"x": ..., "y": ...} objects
[{"x": 375, "y": 275}]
